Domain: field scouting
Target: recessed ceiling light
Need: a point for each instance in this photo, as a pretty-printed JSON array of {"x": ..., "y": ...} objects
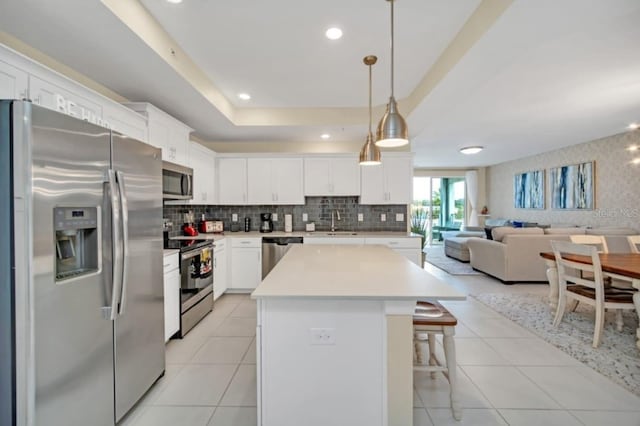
[
  {"x": 633, "y": 126},
  {"x": 325, "y": 136},
  {"x": 471, "y": 149},
  {"x": 333, "y": 33},
  {"x": 636, "y": 161},
  {"x": 174, "y": 1},
  {"x": 244, "y": 96},
  {"x": 633, "y": 148}
]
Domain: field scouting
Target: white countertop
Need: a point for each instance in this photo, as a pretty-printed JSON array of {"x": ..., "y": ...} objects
[
  {"x": 351, "y": 271},
  {"x": 317, "y": 234},
  {"x": 169, "y": 252}
]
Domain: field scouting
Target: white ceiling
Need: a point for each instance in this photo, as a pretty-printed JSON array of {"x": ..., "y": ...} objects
[{"x": 546, "y": 74}]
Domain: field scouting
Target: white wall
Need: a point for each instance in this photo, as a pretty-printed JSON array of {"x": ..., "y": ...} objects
[{"x": 617, "y": 183}]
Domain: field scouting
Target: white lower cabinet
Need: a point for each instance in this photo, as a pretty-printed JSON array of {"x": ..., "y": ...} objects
[
  {"x": 408, "y": 247},
  {"x": 246, "y": 263},
  {"x": 219, "y": 268},
  {"x": 171, "y": 295}
]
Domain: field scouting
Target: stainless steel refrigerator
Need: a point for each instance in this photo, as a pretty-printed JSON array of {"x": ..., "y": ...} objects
[{"x": 83, "y": 308}]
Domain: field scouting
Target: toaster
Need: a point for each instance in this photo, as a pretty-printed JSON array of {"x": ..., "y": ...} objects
[{"x": 211, "y": 226}]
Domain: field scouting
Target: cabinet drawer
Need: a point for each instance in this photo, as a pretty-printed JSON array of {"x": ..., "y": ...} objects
[
  {"x": 395, "y": 243},
  {"x": 246, "y": 242},
  {"x": 170, "y": 262}
]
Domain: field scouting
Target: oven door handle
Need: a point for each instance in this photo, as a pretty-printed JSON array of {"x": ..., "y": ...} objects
[{"x": 191, "y": 255}]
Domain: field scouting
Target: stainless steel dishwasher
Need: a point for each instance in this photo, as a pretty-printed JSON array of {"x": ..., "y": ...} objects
[{"x": 273, "y": 248}]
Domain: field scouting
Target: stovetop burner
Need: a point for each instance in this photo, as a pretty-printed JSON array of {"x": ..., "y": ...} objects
[{"x": 186, "y": 245}]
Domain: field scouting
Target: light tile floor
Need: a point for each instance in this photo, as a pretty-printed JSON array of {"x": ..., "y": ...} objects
[{"x": 507, "y": 375}]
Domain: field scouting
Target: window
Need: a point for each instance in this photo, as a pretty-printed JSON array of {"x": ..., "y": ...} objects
[{"x": 438, "y": 205}]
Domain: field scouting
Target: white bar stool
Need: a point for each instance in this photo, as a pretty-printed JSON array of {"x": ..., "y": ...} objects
[{"x": 431, "y": 318}]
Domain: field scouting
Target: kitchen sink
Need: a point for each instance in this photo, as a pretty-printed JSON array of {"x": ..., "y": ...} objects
[{"x": 341, "y": 233}]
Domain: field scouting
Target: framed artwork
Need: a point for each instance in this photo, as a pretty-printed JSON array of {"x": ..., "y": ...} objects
[
  {"x": 528, "y": 190},
  {"x": 572, "y": 187}
]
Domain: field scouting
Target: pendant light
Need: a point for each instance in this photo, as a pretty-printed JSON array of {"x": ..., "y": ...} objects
[
  {"x": 392, "y": 129},
  {"x": 370, "y": 153}
]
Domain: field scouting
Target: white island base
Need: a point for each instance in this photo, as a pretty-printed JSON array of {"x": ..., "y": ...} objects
[{"x": 334, "y": 337}]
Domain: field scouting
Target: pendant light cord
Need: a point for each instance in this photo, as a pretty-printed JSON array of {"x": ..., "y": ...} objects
[
  {"x": 392, "y": 77},
  {"x": 370, "y": 99}
]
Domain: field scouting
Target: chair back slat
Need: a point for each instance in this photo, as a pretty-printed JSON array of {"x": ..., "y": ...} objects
[
  {"x": 634, "y": 243},
  {"x": 568, "y": 270},
  {"x": 598, "y": 241}
]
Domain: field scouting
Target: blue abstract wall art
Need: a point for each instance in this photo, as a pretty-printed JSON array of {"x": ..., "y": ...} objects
[
  {"x": 572, "y": 187},
  {"x": 528, "y": 189}
]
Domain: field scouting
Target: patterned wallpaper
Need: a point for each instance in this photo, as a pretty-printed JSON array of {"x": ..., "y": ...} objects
[{"x": 617, "y": 184}]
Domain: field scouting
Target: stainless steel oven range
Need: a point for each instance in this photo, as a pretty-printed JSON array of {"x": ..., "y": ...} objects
[{"x": 196, "y": 281}]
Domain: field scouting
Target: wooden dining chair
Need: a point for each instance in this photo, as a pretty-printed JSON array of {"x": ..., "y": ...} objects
[
  {"x": 587, "y": 289},
  {"x": 597, "y": 241},
  {"x": 634, "y": 243}
]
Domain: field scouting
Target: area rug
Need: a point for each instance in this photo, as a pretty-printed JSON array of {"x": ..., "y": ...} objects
[
  {"x": 435, "y": 256},
  {"x": 617, "y": 358}
]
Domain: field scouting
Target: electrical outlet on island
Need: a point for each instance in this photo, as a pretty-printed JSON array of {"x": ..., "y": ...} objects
[
  {"x": 399, "y": 217},
  {"x": 383, "y": 217},
  {"x": 274, "y": 217}
]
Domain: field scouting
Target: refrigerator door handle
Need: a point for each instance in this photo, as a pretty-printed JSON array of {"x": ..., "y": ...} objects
[
  {"x": 124, "y": 206},
  {"x": 116, "y": 273}
]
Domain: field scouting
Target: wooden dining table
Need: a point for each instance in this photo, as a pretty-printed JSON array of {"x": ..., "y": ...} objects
[{"x": 622, "y": 266}]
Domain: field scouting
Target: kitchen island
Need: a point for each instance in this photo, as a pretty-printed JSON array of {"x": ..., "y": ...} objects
[{"x": 334, "y": 336}]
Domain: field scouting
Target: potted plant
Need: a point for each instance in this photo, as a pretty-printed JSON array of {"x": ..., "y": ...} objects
[{"x": 419, "y": 224}]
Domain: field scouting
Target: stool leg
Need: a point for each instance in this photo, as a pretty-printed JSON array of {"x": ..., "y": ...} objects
[
  {"x": 417, "y": 345},
  {"x": 450, "y": 355},
  {"x": 432, "y": 352}
]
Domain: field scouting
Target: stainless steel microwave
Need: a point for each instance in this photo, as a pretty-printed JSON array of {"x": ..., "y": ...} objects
[{"x": 177, "y": 182}]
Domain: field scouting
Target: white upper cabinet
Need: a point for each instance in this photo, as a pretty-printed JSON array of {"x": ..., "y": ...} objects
[
  {"x": 202, "y": 161},
  {"x": 59, "y": 95},
  {"x": 126, "y": 121},
  {"x": 389, "y": 183},
  {"x": 337, "y": 176},
  {"x": 165, "y": 132},
  {"x": 14, "y": 83},
  {"x": 232, "y": 181},
  {"x": 275, "y": 181}
]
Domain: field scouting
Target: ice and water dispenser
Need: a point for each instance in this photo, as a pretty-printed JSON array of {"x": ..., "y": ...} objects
[{"x": 77, "y": 241}]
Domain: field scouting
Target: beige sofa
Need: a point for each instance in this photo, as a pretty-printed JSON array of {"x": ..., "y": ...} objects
[{"x": 514, "y": 253}]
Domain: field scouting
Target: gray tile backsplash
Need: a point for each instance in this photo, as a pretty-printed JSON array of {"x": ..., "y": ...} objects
[{"x": 317, "y": 208}]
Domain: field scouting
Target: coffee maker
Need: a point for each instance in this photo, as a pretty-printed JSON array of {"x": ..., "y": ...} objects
[
  {"x": 189, "y": 228},
  {"x": 267, "y": 224}
]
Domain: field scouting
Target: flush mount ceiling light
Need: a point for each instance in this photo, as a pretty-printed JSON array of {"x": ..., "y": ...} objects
[
  {"x": 633, "y": 126},
  {"x": 333, "y": 33},
  {"x": 370, "y": 153},
  {"x": 471, "y": 149},
  {"x": 325, "y": 136},
  {"x": 244, "y": 96},
  {"x": 392, "y": 129},
  {"x": 174, "y": 1}
]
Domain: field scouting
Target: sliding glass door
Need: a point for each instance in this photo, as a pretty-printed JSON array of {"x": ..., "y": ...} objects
[{"x": 438, "y": 205}]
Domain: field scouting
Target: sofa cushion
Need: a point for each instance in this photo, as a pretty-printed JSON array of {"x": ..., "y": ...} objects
[
  {"x": 499, "y": 233},
  {"x": 565, "y": 231}
]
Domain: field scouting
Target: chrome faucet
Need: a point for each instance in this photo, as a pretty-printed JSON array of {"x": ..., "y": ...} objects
[{"x": 333, "y": 223}]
